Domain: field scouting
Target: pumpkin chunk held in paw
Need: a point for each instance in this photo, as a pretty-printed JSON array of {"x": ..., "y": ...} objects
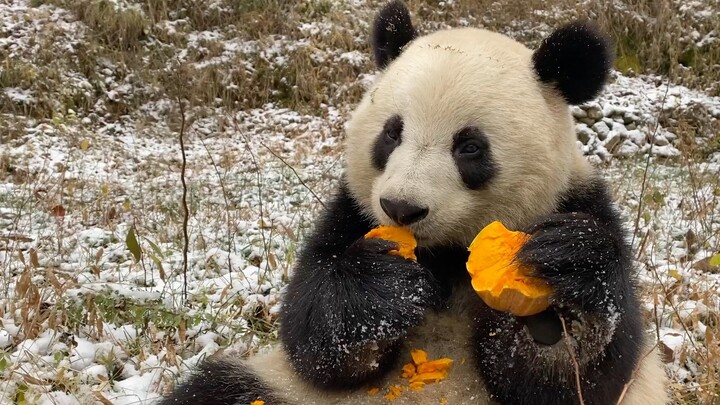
[
  {"x": 500, "y": 280},
  {"x": 403, "y": 237}
]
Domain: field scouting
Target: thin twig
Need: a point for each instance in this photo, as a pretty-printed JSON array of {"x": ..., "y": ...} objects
[
  {"x": 266, "y": 246},
  {"x": 186, "y": 211},
  {"x": 666, "y": 293},
  {"x": 634, "y": 374},
  {"x": 272, "y": 152},
  {"x": 647, "y": 166},
  {"x": 227, "y": 208},
  {"x": 574, "y": 360}
]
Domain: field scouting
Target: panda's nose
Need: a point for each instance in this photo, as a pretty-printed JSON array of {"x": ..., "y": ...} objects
[{"x": 403, "y": 212}]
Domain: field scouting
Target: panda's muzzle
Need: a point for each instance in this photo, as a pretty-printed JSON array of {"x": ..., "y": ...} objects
[{"x": 403, "y": 212}]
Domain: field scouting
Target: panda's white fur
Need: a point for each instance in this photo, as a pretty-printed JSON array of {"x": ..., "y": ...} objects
[{"x": 441, "y": 83}]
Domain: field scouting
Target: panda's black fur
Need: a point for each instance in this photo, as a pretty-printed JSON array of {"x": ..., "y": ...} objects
[
  {"x": 577, "y": 59},
  {"x": 392, "y": 30},
  {"x": 222, "y": 382},
  {"x": 345, "y": 286},
  {"x": 349, "y": 304}
]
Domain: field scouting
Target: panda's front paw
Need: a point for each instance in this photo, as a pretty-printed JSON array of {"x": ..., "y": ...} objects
[
  {"x": 400, "y": 287},
  {"x": 344, "y": 321},
  {"x": 582, "y": 258}
]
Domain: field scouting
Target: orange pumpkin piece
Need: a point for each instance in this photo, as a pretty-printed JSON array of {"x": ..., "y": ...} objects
[
  {"x": 258, "y": 402},
  {"x": 417, "y": 385},
  {"x": 435, "y": 365},
  {"x": 402, "y": 236},
  {"x": 425, "y": 371},
  {"x": 433, "y": 376},
  {"x": 418, "y": 356},
  {"x": 395, "y": 392},
  {"x": 432, "y": 371},
  {"x": 499, "y": 279},
  {"x": 373, "y": 391},
  {"x": 408, "y": 370}
]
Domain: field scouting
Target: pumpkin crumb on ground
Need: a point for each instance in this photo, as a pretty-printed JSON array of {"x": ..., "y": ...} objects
[
  {"x": 408, "y": 370},
  {"x": 395, "y": 391},
  {"x": 419, "y": 373},
  {"x": 417, "y": 385},
  {"x": 402, "y": 236},
  {"x": 500, "y": 280},
  {"x": 418, "y": 356},
  {"x": 434, "y": 365},
  {"x": 433, "y": 376}
]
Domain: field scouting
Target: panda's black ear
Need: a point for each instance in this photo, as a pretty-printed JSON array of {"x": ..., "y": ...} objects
[
  {"x": 576, "y": 59},
  {"x": 392, "y": 30}
]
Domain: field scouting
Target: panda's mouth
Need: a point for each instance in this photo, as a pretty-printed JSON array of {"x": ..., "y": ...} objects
[
  {"x": 429, "y": 234},
  {"x": 423, "y": 234},
  {"x": 414, "y": 217}
]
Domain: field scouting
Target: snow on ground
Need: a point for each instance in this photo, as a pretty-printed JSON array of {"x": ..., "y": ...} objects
[
  {"x": 82, "y": 320},
  {"x": 239, "y": 267}
]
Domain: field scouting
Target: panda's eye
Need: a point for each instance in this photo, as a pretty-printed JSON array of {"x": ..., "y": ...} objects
[
  {"x": 392, "y": 135},
  {"x": 469, "y": 149}
]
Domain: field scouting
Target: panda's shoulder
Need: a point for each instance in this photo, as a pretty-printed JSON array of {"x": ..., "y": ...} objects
[{"x": 590, "y": 194}]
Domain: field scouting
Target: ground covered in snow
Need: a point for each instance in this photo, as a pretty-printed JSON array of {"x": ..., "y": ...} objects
[{"x": 96, "y": 306}]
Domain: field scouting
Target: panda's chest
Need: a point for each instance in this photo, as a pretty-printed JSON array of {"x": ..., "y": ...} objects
[
  {"x": 448, "y": 266},
  {"x": 448, "y": 332}
]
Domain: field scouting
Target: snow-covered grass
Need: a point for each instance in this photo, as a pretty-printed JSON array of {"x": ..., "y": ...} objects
[
  {"x": 676, "y": 232},
  {"x": 91, "y": 212}
]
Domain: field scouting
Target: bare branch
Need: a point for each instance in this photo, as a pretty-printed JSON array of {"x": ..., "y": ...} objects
[
  {"x": 186, "y": 211},
  {"x": 294, "y": 172},
  {"x": 227, "y": 207},
  {"x": 651, "y": 141},
  {"x": 574, "y": 360}
]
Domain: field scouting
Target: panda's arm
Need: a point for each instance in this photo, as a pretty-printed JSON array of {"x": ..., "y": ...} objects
[
  {"x": 582, "y": 250},
  {"x": 348, "y": 302}
]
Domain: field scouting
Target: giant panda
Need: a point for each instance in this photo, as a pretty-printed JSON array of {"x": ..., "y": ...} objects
[{"x": 462, "y": 127}]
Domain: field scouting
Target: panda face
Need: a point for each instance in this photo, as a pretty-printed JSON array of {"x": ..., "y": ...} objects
[{"x": 458, "y": 132}]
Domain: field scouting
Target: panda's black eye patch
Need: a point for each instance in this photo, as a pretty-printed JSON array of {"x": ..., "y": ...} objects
[
  {"x": 389, "y": 139},
  {"x": 474, "y": 160}
]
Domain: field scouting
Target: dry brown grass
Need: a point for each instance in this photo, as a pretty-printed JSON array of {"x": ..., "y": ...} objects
[
  {"x": 698, "y": 190},
  {"x": 656, "y": 36},
  {"x": 120, "y": 29},
  {"x": 698, "y": 132},
  {"x": 656, "y": 42}
]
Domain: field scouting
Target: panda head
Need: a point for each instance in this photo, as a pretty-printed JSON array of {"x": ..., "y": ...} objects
[{"x": 466, "y": 126}]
